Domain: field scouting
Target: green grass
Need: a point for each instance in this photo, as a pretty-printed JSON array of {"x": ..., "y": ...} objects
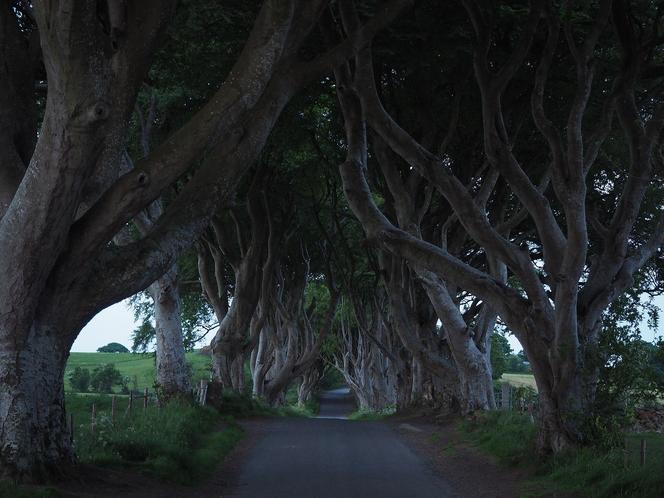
[
  {"x": 372, "y": 414},
  {"x": 588, "y": 472},
  {"x": 519, "y": 380},
  {"x": 509, "y": 436},
  {"x": 178, "y": 442},
  {"x": 9, "y": 489},
  {"x": 613, "y": 473},
  {"x": 241, "y": 406},
  {"x": 140, "y": 368}
]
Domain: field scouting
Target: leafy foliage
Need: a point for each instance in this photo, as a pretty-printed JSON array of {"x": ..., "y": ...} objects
[
  {"x": 142, "y": 337},
  {"x": 113, "y": 347},
  {"x": 80, "y": 379},
  {"x": 104, "y": 377},
  {"x": 500, "y": 350}
]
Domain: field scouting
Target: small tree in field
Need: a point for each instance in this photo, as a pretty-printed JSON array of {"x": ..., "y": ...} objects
[
  {"x": 80, "y": 379},
  {"x": 113, "y": 347}
]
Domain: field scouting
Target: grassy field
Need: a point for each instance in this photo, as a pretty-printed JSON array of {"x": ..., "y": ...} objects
[
  {"x": 140, "y": 368},
  {"x": 519, "y": 380}
]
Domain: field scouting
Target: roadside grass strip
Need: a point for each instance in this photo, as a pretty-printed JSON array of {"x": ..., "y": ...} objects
[{"x": 590, "y": 472}]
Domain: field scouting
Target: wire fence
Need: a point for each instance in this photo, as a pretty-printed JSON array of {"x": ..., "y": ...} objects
[
  {"x": 522, "y": 399},
  {"x": 136, "y": 402}
]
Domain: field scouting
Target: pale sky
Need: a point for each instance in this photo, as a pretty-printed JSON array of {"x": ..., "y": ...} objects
[{"x": 116, "y": 323}]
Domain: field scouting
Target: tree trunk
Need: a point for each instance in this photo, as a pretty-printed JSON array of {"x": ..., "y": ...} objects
[
  {"x": 566, "y": 396},
  {"x": 229, "y": 342},
  {"x": 417, "y": 381},
  {"x": 35, "y": 439},
  {"x": 559, "y": 419},
  {"x": 172, "y": 370},
  {"x": 309, "y": 380},
  {"x": 261, "y": 365},
  {"x": 473, "y": 366},
  {"x": 476, "y": 384},
  {"x": 237, "y": 371}
]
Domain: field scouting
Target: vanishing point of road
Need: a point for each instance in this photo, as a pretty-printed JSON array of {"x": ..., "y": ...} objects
[{"x": 331, "y": 457}]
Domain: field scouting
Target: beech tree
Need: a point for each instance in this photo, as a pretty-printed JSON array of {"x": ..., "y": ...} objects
[
  {"x": 172, "y": 376},
  {"x": 250, "y": 253},
  {"x": 64, "y": 198},
  {"x": 562, "y": 284}
]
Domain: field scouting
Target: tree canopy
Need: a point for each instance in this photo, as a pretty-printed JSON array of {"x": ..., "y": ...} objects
[{"x": 379, "y": 188}]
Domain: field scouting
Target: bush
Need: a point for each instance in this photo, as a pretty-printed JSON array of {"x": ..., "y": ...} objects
[
  {"x": 80, "y": 379},
  {"x": 105, "y": 377}
]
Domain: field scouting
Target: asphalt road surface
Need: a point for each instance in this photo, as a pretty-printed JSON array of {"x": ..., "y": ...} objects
[{"x": 330, "y": 457}]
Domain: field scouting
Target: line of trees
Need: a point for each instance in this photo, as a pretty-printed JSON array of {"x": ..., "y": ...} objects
[{"x": 374, "y": 187}]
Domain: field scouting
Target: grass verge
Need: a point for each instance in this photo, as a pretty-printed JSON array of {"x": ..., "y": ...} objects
[
  {"x": 242, "y": 405},
  {"x": 179, "y": 442},
  {"x": 372, "y": 414},
  {"x": 9, "y": 489},
  {"x": 588, "y": 472}
]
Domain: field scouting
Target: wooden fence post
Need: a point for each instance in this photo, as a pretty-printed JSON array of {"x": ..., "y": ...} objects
[
  {"x": 94, "y": 418},
  {"x": 145, "y": 400},
  {"x": 506, "y": 396},
  {"x": 202, "y": 393},
  {"x": 643, "y": 452},
  {"x": 113, "y": 409},
  {"x": 131, "y": 401},
  {"x": 71, "y": 427}
]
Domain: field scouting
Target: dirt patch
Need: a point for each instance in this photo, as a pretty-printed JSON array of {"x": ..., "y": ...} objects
[{"x": 470, "y": 473}]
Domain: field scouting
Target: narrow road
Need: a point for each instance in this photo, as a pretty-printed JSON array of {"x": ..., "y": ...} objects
[{"x": 330, "y": 457}]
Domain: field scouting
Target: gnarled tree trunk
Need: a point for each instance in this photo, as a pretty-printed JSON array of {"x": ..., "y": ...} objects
[{"x": 36, "y": 441}]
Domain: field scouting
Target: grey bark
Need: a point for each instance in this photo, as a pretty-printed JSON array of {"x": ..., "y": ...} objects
[
  {"x": 34, "y": 431},
  {"x": 251, "y": 261},
  {"x": 35, "y": 331},
  {"x": 58, "y": 265},
  {"x": 172, "y": 376},
  {"x": 172, "y": 370},
  {"x": 556, "y": 328},
  {"x": 307, "y": 385},
  {"x": 18, "y": 116},
  {"x": 295, "y": 344}
]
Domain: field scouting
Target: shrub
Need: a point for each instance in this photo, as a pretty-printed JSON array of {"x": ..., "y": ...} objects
[
  {"x": 104, "y": 378},
  {"x": 80, "y": 379}
]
